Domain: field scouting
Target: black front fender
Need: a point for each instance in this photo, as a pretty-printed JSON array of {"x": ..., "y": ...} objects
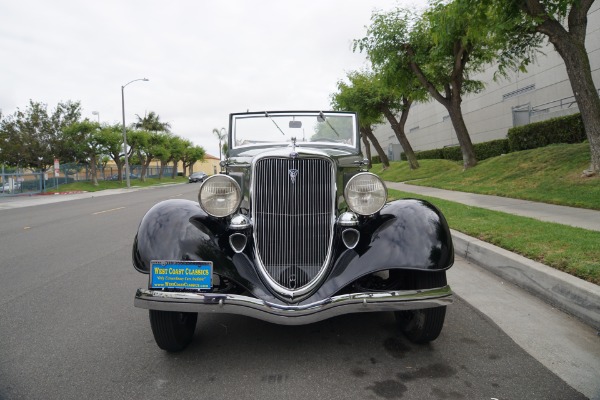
[
  {"x": 407, "y": 234},
  {"x": 165, "y": 233},
  {"x": 181, "y": 230}
]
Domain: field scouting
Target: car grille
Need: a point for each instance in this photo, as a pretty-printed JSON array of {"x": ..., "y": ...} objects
[{"x": 293, "y": 217}]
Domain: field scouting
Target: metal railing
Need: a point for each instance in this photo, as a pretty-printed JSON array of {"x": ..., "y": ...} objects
[{"x": 20, "y": 182}]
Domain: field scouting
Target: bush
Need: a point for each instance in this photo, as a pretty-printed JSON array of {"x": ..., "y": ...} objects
[
  {"x": 568, "y": 129},
  {"x": 490, "y": 149},
  {"x": 452, "y": 153},
  {"x": 376, "y": 160},
  {"x": 432, "y": 154},
  {"x": 483, "y": 151}
]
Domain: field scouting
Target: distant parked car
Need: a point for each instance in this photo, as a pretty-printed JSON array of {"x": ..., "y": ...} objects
[
  {"x": 6, "y": 187},
  {"x": 197, "y": 177}
]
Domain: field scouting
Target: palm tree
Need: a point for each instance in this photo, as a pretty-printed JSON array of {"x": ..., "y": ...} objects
[
  {"x": 152, "y": 123},
  {"x": 220, "y": 134}
]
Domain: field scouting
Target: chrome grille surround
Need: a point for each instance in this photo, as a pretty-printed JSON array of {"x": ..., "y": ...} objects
[{"x": 293, "y": 214}]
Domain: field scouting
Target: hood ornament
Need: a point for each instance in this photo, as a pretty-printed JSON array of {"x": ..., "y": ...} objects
[{"x": 294, "y": 154}]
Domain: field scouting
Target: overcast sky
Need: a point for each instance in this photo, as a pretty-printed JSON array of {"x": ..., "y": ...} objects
[{"x": 204, "y": 59}]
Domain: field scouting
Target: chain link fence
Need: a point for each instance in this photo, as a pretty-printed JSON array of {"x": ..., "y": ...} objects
[{"x": 19, "y": 182}]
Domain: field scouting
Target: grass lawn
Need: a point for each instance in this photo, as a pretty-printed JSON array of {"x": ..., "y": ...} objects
[
  {"x": 572, "y": 250},
  {"x": 550, "y": 174}
]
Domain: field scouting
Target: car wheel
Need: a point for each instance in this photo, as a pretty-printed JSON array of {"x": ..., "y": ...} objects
[
  {"x": 424, "y": 325},
  {"x": 173, "y": 331}
]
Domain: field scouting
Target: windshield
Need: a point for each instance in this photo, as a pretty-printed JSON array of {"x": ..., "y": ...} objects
[{"x": 308, "y": 128}]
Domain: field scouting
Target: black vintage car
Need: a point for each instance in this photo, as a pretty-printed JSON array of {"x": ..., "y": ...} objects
[
  {"x": 294, "y": 230},
  {"x": 197, "y": 177}
]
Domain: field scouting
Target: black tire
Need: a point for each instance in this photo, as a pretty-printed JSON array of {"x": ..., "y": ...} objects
[
  {"x": 173, "y": 331},
  {"x": 424, "y": 325}
]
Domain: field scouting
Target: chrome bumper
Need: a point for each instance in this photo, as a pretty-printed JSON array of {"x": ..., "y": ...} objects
[{"x": 292, "y": 314}]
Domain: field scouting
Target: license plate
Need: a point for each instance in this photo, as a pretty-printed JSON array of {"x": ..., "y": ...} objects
[{"x": 181, "y": 275}]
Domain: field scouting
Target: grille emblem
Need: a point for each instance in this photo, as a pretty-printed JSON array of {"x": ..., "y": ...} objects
[{"x": 293, "y": 173}]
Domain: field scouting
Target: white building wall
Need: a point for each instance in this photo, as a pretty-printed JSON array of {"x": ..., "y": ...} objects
[{"x": 543, "y": 92}]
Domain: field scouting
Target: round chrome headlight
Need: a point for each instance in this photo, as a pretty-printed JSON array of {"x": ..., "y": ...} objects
[
  {"x": 220, "y": 195},
  {"x": 365, "y": 193}
]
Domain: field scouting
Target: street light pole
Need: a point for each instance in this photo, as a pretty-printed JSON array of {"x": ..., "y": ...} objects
[
  {"x": 124, "y": 131},
  {"x": 98, "y": 114}
]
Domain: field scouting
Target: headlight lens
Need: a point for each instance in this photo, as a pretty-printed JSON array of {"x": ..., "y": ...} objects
[
  {"x": 220, "y": 195},
  {"x": 365, "y": 193}
]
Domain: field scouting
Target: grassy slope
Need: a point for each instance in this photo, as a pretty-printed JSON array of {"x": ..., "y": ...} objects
[
  {"x": 551, "y": 174},
  {"x": 572, "y": 250}
]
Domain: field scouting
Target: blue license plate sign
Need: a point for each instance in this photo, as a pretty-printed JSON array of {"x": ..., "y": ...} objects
[{"x": 181, "y": 275}]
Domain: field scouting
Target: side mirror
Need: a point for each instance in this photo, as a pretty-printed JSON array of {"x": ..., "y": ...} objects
[{"x": 295, "y": 124}]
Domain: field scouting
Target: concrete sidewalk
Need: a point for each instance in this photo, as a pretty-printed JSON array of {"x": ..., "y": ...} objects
[
  {"x": 566, "y": 292},
  {"x": 578, "y": 217},
  {"x": 11, "y": 202}
]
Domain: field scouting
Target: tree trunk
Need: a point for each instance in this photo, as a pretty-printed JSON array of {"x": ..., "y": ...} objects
[
  {"x": 174, "y": 171},
  {"x": 398, "y": 128},
  {"x": 143, "y": 161},
  {"x": 94, "y": 170},
  {"x": 363, "y": 136},
  {"x": 380, "y": 152},
  {"x": 119, "y": 169},
  {"x": 571, "y": 47},
  {"x": 462, "y": 134},
  {"x": 452, "y": 99},
  {"x": 145, "y": 166}
]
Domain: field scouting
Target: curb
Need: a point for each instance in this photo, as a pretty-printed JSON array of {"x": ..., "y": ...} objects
[
  {"x": 563, "y": 291},
  {"x": 61, "y": 193}
]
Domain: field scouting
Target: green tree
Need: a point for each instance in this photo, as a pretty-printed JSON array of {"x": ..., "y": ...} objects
[
  {"x": 564, "y": 24},
  {"x": 33, "y": 137},
  {"x": 177, "y": 148},
  {"x": 151, "y": 122},
  {"x": 374, "y": 98},
  {"x": 162, "y": 151},
  {"x": 111, "y": 138},
  {"x": 355, "y": 97},
  {"x": 225, "y": 148},
  {"x": 153, "y": 144},
  {"x": 443, "y": 48},
  {"x": 85, "y": 143},
  {"x": 191, "y": 155},
  {"x": 140, "y": 140},
  {"x": 221, "y": 135}
]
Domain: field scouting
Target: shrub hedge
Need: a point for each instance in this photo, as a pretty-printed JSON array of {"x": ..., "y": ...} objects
[
  {"x": 490, "y": 149},
  {"x": 483, "y": 150},
  {"x": 429, "y": 154},
  {"x": 568, "y": 129}
]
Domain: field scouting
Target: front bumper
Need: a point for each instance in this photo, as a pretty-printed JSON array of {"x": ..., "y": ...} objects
[{"x": 293, "y": 314}]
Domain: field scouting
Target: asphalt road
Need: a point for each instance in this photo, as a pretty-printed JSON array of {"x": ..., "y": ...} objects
[{"x": 68, "y": 330}]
